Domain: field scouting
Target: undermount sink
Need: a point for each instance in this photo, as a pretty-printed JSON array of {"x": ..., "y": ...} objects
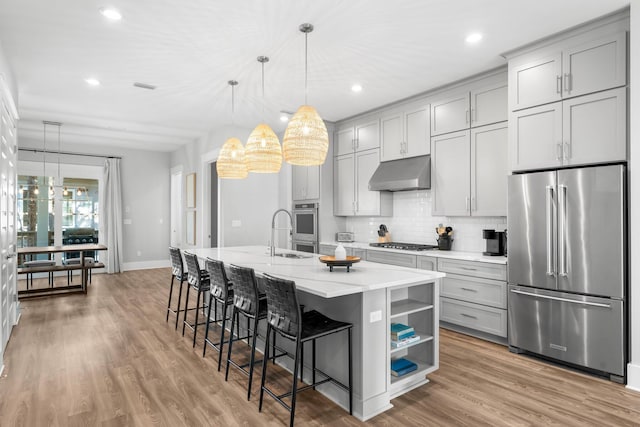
[{"x": 296, "y": 256}]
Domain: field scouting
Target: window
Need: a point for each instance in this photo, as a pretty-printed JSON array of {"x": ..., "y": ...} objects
[{"x": 51, "y": 210}]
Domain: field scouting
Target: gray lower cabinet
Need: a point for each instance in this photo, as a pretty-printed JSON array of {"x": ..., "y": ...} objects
[
  {"x": 404, "y": 260},
  {"x": 327, "y": 249},
  {"x": 474, "y": 296}
]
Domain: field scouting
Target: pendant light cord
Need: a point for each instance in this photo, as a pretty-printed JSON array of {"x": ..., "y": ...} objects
[
  {"x": 59, "y": 183},
  {"x": 306, "y": 90},
  {"x": 263, "y": 100}
]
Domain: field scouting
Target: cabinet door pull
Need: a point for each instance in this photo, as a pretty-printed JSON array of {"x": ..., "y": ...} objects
[
  {"x": 467, "y": 116},
  {"x": 559, "y": 151},
  {"x": 469, "y": 289},
  {"x": 567, "y": 82},
  {"x": 468, "y": 268},
  {"x": 474, "y": 204},
  {"x": 466, "y": 203},
  {"x": 567, "y": 150},
  {"x": 558, "y": 84},
  {"x": 469, "y": 316}
]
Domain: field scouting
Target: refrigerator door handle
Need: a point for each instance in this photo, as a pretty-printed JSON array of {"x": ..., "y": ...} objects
[
  {"x": 562, "y": 230},
  {"x": 551, "y": 268},
  {"x": 592, "y": 304}
]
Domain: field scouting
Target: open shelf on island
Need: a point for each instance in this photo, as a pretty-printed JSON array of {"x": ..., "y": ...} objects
[
  {"x": 424, "y": 337},
  {"x": 408, "y": 306},
  {"x": 415, "y": 307}
]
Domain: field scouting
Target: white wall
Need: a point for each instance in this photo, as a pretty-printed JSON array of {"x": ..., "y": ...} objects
[
  {"x": 412, "y": 222},
  {"x": 7, "y": 75},
  {"x": 633, "y": 369},
  {"x": 249, "y": 202},
  {"x": 145, "y": 193}
]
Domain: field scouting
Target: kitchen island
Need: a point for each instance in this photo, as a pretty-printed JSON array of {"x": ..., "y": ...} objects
[{"x": 371, "y": 296}]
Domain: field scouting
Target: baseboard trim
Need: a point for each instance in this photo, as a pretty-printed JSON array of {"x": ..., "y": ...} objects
[
  {"x": 145, "y": 265},
  {"x": 633, "y": 377}
]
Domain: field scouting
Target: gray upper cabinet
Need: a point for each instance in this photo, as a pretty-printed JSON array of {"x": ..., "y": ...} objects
[
  {"x": 450, "y": 174},
  {"x": 352, "y": 197},
  {"x": 405, "y": 132},
  {"x": 536, "y": 134},
  {"x": 578, "y": 131},
  {"x": 489, "y": 170},
  {"x": 359, "y": 135},
  {"x": 489, "y": 105},
  {"x": 469, "y": 172},
  {"x": 479, "y": 107},
  {"x": 305, "y": 182},
  {"x": 450, "y": 114},
  {"x": 595, "y": 128},
  {"x": 579, "y": 66}
]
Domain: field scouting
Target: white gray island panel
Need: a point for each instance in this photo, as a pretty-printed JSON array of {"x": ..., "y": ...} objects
[{"x": 364, "y": 297}]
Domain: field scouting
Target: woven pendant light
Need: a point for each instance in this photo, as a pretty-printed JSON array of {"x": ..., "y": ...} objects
[
  {"x": 263, "y": 151},
  {"x": 306, "y": 140},
  {"x": 231, "y": 162}
]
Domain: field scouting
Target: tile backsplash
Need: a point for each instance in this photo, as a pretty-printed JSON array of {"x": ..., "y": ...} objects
[{"x": 412, "y": 222}]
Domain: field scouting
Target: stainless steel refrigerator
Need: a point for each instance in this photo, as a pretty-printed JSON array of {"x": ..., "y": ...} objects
[{"x": 567, "y": 263}]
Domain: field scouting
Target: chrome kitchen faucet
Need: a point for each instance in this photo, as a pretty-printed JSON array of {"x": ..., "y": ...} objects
[{"x": 273, "y": 228}]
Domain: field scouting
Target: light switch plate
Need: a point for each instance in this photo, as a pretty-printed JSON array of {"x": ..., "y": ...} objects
[
  {"x": 236, "y": 223},
  {"x": 375, "y": 316},
  {"x": 127, "y": 222}
]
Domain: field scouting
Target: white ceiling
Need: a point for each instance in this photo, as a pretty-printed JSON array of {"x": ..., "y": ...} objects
[{"x": 190, "y": 49}]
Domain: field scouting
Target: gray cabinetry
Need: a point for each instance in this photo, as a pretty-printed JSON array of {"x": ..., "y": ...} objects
[
  {"x": 474, "y": 296},
  {"x": 578, "y": 131},
  {"x": 405, "y": 132},
  {"x": 464, "y": 110},
  {"x": 362, "y": 134},
  {"x": 574, "y": 67},
  {"x": 305, "y": 182},
  {"x": 469, "y": 172},
  {"x": 394, "y": 258},
  {"x": 427, "y": 263},
  {"x": 352, "y": 197}
]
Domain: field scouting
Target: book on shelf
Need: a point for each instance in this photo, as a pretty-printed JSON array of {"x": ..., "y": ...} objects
[
  {"x": 405, "y": 341},
  {"x": 402, "y": 366},
  {"x": 407, "y": 334},
  {"x": 400, "y": 331}
]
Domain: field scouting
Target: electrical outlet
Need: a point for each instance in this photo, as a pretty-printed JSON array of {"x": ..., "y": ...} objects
[
  {"x": 236, "y": 223},
  {"x": 139, "y": 253},
  {"x": 375, "y": 316}
]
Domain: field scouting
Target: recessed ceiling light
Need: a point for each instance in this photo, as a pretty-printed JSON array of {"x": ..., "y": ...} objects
[
  {"x": 284, "y": 118},
  {"x": 111, "y": 13},
  {"x": 356, "y": 88},
  {"x": 473, "y": 38},
  {"x": 92, "y": 82}
]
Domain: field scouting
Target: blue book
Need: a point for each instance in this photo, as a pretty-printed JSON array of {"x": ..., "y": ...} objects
[
  {"x": 399, "y": 328},
  {"x": 403, "y": 335},
  {"x": 402, "y": 366}
]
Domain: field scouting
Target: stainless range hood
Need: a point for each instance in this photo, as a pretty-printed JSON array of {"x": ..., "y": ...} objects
[{"x": 413, "y": 173}]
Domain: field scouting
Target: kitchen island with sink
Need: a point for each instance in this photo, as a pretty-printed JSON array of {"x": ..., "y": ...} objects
[{"x": 371, "y": 296}]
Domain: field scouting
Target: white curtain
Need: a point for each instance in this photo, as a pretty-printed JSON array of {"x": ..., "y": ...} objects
[{"x": 111, "y": 205}]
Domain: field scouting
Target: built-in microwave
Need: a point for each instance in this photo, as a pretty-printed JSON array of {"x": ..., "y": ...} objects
[
  {"x": 305, "y": 223},
  {"x": 311, "y": 247}
]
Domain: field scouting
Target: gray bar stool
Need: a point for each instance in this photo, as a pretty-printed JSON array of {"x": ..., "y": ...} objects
[
  {"x": 199, "y": 281},
  {"x": 285, "y": 316}
]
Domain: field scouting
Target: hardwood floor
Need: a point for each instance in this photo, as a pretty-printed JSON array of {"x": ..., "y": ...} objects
[{"x": 110, "y": 359}]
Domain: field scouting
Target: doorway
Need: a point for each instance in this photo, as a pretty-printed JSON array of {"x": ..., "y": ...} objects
[
  {"x": 214, "y": 206},
  {"x": 176, "y": 207}
]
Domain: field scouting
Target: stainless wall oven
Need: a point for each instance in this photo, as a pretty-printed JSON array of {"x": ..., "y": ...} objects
[{"x": 305, "y": 227}]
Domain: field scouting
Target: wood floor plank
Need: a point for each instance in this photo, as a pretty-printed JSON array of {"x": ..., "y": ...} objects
[{"x": 108, "y": 358}]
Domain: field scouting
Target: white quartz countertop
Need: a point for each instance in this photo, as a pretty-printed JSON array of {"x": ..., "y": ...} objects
[
  {"x": 313, "y": 276},
  {"x": 465, "y": 256}
]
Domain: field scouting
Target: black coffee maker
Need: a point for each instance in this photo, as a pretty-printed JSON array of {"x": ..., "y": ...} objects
[{"x": 496, "y": 242}]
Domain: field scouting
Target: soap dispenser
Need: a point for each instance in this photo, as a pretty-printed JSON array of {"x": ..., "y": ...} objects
[{"x": 341, "y": 253}]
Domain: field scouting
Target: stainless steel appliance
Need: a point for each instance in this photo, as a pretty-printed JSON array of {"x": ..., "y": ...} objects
[
  {"x": 567, "y": 264},
  {"x": 496, "y": 242},
  {"x": 413, "y": 173},
  {"x": 305, "y": 227},
  {"x": 345, "y": 236},
  {"x": 404, "y": 246}
]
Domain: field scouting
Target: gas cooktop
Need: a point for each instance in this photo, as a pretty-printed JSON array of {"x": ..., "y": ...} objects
[{"x": 404, "y": 246}]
